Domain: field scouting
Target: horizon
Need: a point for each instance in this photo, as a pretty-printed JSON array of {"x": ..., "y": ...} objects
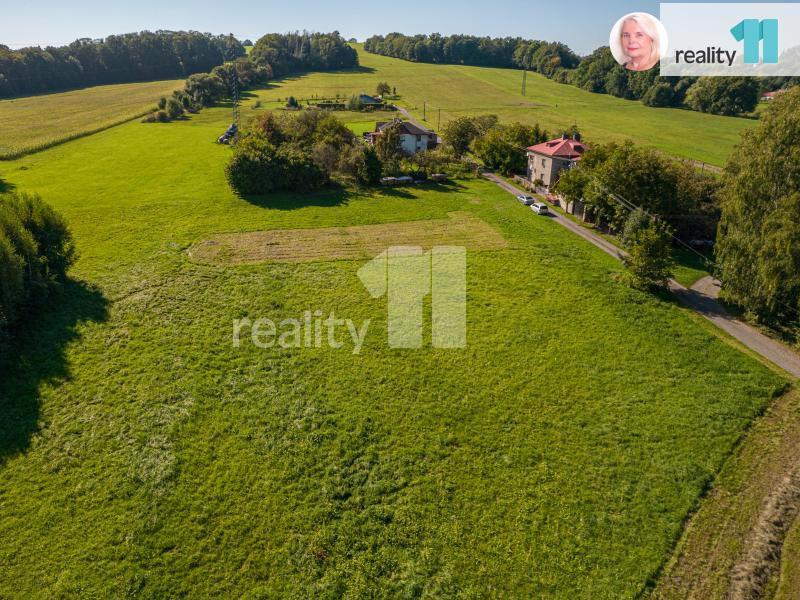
[{"x": 587, "y": 31}]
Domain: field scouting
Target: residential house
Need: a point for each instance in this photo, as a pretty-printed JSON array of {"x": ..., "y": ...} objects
[
  {"x": 548, "y": 159},
  {"x": 767, "y": 96},
  {"x": 413, "y": 139}
]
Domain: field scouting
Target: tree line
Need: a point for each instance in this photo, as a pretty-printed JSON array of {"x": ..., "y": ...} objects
[
  {"x": 597, "y": 72},
  {"x": 274, "y": 55},
  {"x": 115, "y": 59},
  {"x": 303, "y": 51}
]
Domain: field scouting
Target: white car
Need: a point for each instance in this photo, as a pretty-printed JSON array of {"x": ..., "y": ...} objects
[
  {"x": 540, "y": 208},
  {"x": 526, "y": 200}
]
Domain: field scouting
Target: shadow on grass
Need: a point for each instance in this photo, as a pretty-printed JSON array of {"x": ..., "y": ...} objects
[
  {"x": 5, "y": 186},
  {"x": 339, "y": 195},
  {"x": 36, "y": 355},
  {"x": 328, "y": 197}
]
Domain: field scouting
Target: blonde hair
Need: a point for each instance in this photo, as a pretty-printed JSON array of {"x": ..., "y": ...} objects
[{"x": 649, "y": 26}]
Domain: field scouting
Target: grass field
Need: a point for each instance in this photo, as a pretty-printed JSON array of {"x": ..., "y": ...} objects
[
  {"x": 142, "y": 454},
  {"x": 460, "y": 90},
  {"x": 37, "y": 122}
]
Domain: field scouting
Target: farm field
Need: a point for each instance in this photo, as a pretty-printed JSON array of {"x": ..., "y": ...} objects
[
  {"x": 37, "y": 122},
  {"x": 142, "y": 453},
  {"x": 461, "y": 90}
]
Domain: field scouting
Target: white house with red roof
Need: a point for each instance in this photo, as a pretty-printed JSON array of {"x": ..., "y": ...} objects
[{"x": 547, "y": 159}]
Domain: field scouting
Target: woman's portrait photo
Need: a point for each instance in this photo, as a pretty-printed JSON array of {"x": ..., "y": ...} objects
[{"x": 638, "y": 41}]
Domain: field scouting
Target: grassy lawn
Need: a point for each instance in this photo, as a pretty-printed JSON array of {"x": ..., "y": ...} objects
[
  {"x": 36, "y": 122},
  {"x": 460, "y": 90},
  {"x": 142, "y": 454}
]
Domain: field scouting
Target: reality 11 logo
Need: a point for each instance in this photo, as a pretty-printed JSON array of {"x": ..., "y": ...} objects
[
  {"x": 753, "y": 32},
  {"x": 406, "y": 275}
]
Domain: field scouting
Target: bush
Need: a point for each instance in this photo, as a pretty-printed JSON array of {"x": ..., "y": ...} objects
[
  {"x": 36, "y": 250},
  {"x": 360, "y": 163},
  {"x": 50, "y": 232},
  {"x": 649, "y": 262},
  {"x": 257, "y": 167},
  {"x": 174, "y": 109},
  {"x": 12, "y": 288}
]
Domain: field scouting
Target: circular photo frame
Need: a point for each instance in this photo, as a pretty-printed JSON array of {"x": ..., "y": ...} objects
[{"x": 638, "y": 41}]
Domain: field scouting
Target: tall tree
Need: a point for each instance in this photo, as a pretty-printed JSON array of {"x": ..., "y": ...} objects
[{"x": 758, "y": 248}]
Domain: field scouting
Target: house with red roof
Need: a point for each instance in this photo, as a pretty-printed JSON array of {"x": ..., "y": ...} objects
[
  {"x": 548, "y": 159},
  {"x": 767, "y": 96}
]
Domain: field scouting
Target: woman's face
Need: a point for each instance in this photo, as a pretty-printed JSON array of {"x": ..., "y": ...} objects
[{"x": 635, "y": 42}]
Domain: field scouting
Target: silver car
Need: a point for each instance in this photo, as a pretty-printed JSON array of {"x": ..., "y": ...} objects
[
  {"x": 526, "y": 200},
  {"x": 540, "y": 208}
]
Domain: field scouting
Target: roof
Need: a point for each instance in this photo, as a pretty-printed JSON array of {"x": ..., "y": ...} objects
[
  {"x": 406, "y": 127},
  {"x": 567, "y": 148},
  {"x": 366, "y": 99}
]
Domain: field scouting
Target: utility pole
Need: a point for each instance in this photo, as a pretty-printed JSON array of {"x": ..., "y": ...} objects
[
  {"x": 424, "y": 108},
  {"x": 524, "y": 81},
  {"x": 439, "y": 123}
]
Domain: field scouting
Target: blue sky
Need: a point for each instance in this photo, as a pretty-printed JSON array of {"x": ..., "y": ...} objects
[{"x": 583, "y": 25}]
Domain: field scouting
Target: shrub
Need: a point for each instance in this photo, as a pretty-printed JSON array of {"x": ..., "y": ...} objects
[
  {"x": 257, "y": 167},
  {"x": 204, "y": 89},
  {"x": 50, "y": 232},
  {"x": 174, "y": 109},
  {"x": 360, "y": 163},
  {"x": 36, "y": 250},
  {"x": 162, "y": 103},
  {"x": 12, "y": 288},
  {"x": 649, "y": 262}
]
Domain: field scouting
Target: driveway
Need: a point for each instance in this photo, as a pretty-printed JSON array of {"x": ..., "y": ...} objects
[{"x": 702, "y": 297}]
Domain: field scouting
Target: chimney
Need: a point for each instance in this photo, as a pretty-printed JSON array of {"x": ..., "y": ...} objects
[
  {"x": 576, "y": 137},
  {"x": 564, "y": 136}
]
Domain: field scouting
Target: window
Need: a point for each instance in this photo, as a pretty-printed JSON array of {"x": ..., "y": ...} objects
[{"x": 543, "y": 162}]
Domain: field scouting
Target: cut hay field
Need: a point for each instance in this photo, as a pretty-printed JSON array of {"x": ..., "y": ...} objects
[
  {"x": 143, "y": 454},
  {"x": 35, "y": 122},
  {"x": 460, "y": 90}
]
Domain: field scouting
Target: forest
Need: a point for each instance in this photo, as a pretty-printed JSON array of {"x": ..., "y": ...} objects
[
  {"x": 598, "y": 72},
  {"x": 122, "y": 58}
]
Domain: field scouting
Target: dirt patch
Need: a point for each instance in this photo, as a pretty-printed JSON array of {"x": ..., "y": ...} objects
[{"x": 346, "y": 243}]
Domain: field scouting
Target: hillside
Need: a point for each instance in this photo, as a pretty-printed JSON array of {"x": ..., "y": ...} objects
[{"x": 460, "y": 90}]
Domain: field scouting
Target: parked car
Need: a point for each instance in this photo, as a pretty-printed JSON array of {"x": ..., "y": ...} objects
[
  {"x": 540, "y": 208},
  {"x": 526, "y": 200}
]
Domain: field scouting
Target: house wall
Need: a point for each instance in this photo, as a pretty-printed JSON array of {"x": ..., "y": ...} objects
[
  {"x": 545, "y": 168},
  {"x": 411, "y": 145}
]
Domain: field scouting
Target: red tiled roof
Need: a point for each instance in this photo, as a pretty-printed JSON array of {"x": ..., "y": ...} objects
[{"x": 560, "y": 148}]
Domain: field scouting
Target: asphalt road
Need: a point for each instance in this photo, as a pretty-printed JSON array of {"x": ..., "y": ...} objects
[{"x": 702, "y": 297}]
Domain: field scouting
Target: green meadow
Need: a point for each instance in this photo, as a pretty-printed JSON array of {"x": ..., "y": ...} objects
[
  {"x": 37, "y": 122},
  {"x": 142, "y": 454},
  {"x": 461, "y": 90}
]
